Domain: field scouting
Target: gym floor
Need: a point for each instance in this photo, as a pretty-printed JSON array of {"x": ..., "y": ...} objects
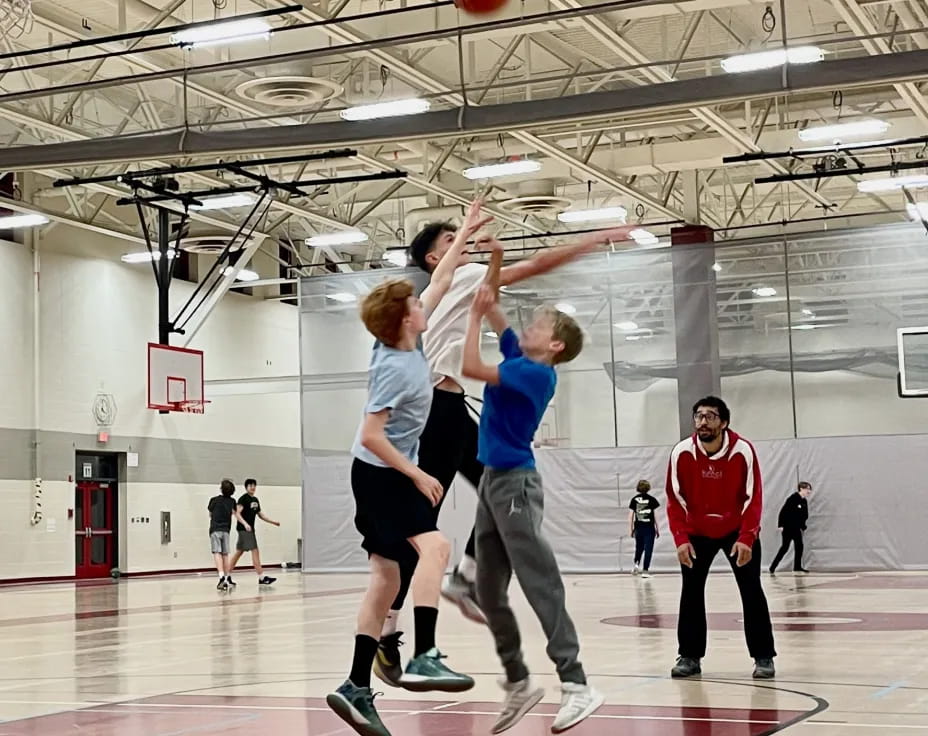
[{"x": 172, "y": 656}]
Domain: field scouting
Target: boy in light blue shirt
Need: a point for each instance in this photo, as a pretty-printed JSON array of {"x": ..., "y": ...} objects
[{"x": 511, "y": 505}]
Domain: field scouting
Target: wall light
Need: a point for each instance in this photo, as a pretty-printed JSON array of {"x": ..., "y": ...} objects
[{"x": 143, "y": 256}]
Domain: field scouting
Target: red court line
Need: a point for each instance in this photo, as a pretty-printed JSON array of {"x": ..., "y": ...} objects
[
  {"x": 169, "y": 607},
  {"x": 245, "y": 716}
]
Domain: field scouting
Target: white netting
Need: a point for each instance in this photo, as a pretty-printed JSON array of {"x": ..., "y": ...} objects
[{"x": 16, "y": 18}]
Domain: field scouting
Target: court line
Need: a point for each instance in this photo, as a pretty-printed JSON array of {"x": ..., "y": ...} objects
[
  {"x": 891, "y": 688},
  {"x": 847, "y": 724}
]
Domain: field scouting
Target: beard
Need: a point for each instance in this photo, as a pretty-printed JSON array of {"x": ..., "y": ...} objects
[{"x": 708, "y": 435}]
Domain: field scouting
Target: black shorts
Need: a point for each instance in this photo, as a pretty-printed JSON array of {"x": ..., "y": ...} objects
[{"x": 389, "y": 509}]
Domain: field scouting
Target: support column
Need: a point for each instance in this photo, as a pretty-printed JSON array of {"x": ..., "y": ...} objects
[{"x": 692, "y": 256}]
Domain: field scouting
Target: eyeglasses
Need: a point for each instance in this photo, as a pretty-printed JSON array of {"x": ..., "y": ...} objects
[{"x": 706, "y": 416}]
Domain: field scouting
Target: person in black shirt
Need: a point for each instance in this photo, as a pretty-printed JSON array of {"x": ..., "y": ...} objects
[
  {"x": 221, "y": 510},
  {"x": 642, "y": 521},
  {"x": 792, "y": 523},
  {"x": 250, "y": 509}
]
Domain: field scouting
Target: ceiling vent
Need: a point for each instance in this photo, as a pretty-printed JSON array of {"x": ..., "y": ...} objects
[
  {"x": 211, "y": 244},
  {"x": 535, "y": 198},
  {"x": 291, "y": 92}
]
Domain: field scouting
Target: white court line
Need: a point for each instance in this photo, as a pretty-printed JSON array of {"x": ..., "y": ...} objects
[
  {"x": 845, "y": 724},
  {"x": 306, "y": 708}
]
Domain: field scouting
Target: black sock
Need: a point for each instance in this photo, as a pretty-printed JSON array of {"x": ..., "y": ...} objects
[
  {"x": 365, "y": 649},
  {"x": 426, "y": 618}
]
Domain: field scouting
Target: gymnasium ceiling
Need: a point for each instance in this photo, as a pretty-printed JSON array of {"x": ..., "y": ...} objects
[{"x": 649, "y": 153}]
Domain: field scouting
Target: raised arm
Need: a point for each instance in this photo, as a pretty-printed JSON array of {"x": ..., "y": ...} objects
[
  {"x": 551, "y": 258},
  {"x": 444, "y": 271},
  {"x": 473, "y": 365}
]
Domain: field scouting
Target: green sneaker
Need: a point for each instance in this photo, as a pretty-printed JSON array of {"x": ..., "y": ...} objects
[
  {"x": 426, "y": 672},
  {"x": 355, "y": 706}
]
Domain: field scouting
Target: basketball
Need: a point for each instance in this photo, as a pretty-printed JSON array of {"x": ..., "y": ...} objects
[{"x": 478, "y": 7}]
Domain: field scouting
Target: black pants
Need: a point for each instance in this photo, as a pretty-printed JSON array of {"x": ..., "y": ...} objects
[
  {"x": 448, "y": 446},
  {"x": 691, "y": 628},
  {"x": 645, "y": 534},
  {"x": 794, "y": 536}
]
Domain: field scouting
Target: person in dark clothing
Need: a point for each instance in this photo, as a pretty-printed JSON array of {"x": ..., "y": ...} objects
[
  {"x": 221, "y": 510},
  {"x": 642, "y": 520},
  {"x": 792, "y": 523}
]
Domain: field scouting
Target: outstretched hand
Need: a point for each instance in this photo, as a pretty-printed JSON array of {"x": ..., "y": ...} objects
[
  {"x": 473, "y": 220},
  {"x": 484, "y": 301}
]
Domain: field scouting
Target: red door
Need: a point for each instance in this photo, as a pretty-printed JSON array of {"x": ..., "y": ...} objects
[{"x": 93, "y": 530}]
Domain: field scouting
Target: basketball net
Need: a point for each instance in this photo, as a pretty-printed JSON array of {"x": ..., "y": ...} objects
[
  {"x": 189, "y": 407},
  {"x": 16, "y": 18}
]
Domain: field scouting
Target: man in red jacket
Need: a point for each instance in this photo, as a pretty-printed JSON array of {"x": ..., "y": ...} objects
[{"x": 714, "y": 502}]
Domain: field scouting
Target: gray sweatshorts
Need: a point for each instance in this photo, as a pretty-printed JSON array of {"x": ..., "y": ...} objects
[{"x": 219, "y": 543}]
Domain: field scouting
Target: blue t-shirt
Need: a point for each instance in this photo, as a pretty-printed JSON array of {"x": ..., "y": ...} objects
[
  {"x": 513, "y": 410},
  {"x": 398, "y": 380}
]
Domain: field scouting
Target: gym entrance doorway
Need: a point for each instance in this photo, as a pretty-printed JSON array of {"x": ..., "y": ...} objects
[{"x": 95, "y": 525}]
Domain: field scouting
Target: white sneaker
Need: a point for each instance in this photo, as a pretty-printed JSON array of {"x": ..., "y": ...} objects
[
  {"x": 458, "y": 590},
  {"x": 521, "y": 697},
  {"x": 645, "y": 574},
  {"x": 578, "y": 702},
  {"x": 635, "y": 570}
]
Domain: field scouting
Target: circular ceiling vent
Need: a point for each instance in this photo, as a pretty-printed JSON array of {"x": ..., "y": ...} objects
[
  {"x": 210, "y": 244},
  {"x": 541, "y": 205},
  {"x": 289, "y": 92}
]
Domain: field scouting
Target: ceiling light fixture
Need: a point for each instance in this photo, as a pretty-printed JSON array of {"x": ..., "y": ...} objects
[
  {"x": 840, "y": 131},
  {"x": 397, "y": 257},
  {"x": 509, "y": 168},
  {"x": 804, "y": 327},
  {"x": 565, "y": 308},
  {"x": 644, "y": 237},
  {"x": 11, "y": 222},
  {"x": 627, "y": 326},
  {"x": 893, "y": 183},
  {"x": 342, "y": 297},
  {"x": 343, "y": 237},
  {"x": 233, "y": 31},
  {"x": 807, "y": 312},
  {"x": 395, "y": 108},
  {"x": 716, "y": 267},
  {"x": 144, "y": 256},
  {"x": 224, "y": 202},
  {"x": 603, "y": 213},
  {"x": 764, "y": 291},
  {"x": 772, "y": 59},
  {"x": 244, "y": 275}
]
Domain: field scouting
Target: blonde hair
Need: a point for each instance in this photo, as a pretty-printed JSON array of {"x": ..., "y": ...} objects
[
  {"x": 384, "y": 309},
  {"x": 564, "y": 329}
]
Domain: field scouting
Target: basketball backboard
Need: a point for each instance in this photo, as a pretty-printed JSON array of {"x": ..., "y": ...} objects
[
  {"x": 912, "y": 344},
  {"x": 175, "y": 379}
]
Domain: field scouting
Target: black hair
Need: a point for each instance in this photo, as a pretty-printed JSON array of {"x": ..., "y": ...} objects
[
  {"x": 227, "y": 487},
  {"x": 424, "y": 241},
  {"x": 805, "y": 484},
  {"x": 714, "y": 402},
  {"x": 250, "y": 482}
]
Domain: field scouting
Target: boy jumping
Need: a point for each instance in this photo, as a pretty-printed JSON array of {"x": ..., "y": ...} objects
[
  {"x": 511, "y": 505},
  {"x": 394, "y": 498}
]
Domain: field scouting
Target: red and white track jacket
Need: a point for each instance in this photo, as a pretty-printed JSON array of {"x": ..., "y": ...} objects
[{"x": 714, "y": 496}]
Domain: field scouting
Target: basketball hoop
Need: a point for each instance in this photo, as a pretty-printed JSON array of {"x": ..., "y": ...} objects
[{"x": 189, "y": 407}]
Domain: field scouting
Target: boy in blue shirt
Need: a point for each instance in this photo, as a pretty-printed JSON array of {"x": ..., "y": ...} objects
[
  {"x": 394, "y": 498},
  {"x": 511, "y": 505}
]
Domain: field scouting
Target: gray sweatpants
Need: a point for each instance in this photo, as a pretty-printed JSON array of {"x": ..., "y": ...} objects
[{"x": 509, "y": 539}]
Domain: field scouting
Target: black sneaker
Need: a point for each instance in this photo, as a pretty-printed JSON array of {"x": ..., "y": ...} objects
[
  {"x": 686, "y": 667},
  {"x": 764, "y": 669},
  {"x": 231, "y": 582},
  {"x": 222, "y": 584},
  {"x": 266, "y": 580},
  {"x": 387, "y": 664}
]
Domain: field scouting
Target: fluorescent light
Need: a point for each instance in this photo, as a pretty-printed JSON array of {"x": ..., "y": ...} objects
[
  {"x": 604, "y": 213},
  {"x": 224, "y": 202},
  {"x": 491, "y": 334},
  {"x": 772, "y": 59},
  {"x": 841, "y": 131},
  {"x": 892, "y": 183},
  {"x": 143, "y": 256},
  {"x": 627, "y": 326},
  {"x": 343, "y": 237},
  {"x": 412, "y": 106},
  {"x": 804, "y": 327},
  {"x": 523, "y": 166},
  {"x": 565, "y": 308},
  {"x": 11, "y": 222},
  {"x": 917, "y": 210},
  {"x": 396, "y": 257},
  {"x": 764, "y": 291},
  {"x": 716, "y": 267},
  {"x": 243, "y": 275},
  {"x": 233, "y": 31},
  {"x": 808, "y": 312},
  {"x": 342, "y": 297},
  {"x": 643, "y": 237}
]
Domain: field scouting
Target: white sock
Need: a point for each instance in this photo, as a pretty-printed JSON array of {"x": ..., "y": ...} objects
[
  {"x": 390, "y": 623},
  {"x": 467, "y": 569}
]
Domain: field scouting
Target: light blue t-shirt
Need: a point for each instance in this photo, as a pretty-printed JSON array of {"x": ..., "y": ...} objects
[{"x": 399, "y": 380}]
